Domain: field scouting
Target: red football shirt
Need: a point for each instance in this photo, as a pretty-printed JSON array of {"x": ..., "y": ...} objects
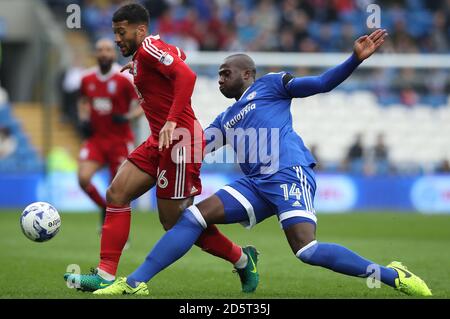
[
  {"x": 108, "y": 94},
  {"x": 165, "y": 83}
]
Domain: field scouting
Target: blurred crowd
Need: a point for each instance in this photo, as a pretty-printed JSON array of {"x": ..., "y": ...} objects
[
  {"x": 414, "y": 26},
  {"x": 8, "y": 143},
  {"x": 285, "y": 25}
]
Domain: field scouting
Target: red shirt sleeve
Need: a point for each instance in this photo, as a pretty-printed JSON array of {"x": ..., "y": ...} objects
[
  {"x": 160, "y": 57},
  {"x": 176, "y": 50},
  {"x": 170, "y": 63}
]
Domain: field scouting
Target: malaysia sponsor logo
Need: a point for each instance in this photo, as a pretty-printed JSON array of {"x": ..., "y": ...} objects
[{"x": 239, "y": 116}]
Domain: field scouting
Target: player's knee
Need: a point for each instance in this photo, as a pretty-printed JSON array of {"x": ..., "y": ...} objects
[
  {"x": 305, "y": 253},
  {"x": 115, "y": 197},
  {"x": 211, "y": 211},
  {"x": 190, "y": 215},
  {"x": 110, "y": 195},
  {"x": 166, "y": 224},
  {"x": 299, "y": 237},
  {"x": 168, "y": 216},
  {"x": 84, "y": 181}
]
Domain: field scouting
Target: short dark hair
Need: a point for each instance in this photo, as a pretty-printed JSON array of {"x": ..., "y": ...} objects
[
  {"x": 243, "y": 62},
  {"x": 133, "y": 12}
]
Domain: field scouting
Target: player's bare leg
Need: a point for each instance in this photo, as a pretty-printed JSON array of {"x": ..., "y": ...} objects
[
  {"x": 86, "y": 170},
  {"x": 212, "y": 210},
  {"x": 129, "y": 183},
  {"x": 170, "y": 210},
  {"x": 299, "y": 235}
]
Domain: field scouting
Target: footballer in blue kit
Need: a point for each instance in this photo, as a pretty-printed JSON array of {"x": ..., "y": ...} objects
[{"x": 279, "y": 177}]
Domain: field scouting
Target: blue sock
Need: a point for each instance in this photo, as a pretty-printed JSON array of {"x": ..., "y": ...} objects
[
  {"x": 173, "y": 245},
  {"x": 344, "y": 261}
]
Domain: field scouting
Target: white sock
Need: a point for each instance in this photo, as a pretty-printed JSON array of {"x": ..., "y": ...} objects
[
  {"x": 242, "y": 262},
  {"x": 105, "y": 275}
]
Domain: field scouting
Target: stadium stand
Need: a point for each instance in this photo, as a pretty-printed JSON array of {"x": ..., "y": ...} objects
[
  {"x": 410, "y": 107},
  {"x": 301, "y": 26},
  {"x": 62, "y": 135},
  {"x": 311, "y": 25},
  {"x": 24, "y": 158},
  {"x": 417, "y": 138}
]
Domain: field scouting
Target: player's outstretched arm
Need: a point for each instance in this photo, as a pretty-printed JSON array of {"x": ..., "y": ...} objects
[{"x": 364, "y": 47}]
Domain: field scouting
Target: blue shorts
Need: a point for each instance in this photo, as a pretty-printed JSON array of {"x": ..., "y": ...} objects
[{"x": 288, "y": 194}]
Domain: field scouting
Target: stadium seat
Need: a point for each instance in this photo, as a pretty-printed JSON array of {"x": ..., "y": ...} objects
[
  {"x": 25, "y": 157},
  {"x": 416, "y": 134}
]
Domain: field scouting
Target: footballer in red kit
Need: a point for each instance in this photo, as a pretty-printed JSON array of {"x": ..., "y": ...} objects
[
  {"x": 169, "y": 159},
  {"x": 164, "y": 102},
  {"x": 108, "y": 101}
]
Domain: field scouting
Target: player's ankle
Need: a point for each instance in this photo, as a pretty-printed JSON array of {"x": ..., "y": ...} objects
[
  {"x": 105, "y": 275},
  {"x": 242, "y": 261}
]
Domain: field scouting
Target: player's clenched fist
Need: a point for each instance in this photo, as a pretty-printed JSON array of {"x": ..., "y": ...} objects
[{"x": 166, "y": 134}]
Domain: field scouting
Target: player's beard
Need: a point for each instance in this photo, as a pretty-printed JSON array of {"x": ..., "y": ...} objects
[
  {"x": 105, "y": 65},
  {"x": 131, "y": 46}
]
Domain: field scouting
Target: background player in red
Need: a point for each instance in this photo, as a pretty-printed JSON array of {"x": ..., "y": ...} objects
[
  {"x": 165, "y": 84},
  {"x": 108, "y": 101}
]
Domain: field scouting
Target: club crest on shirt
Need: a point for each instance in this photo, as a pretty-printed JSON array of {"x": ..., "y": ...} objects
[
  {"x": 251, "y": 96},
  {"x": 112, "y": 86}
]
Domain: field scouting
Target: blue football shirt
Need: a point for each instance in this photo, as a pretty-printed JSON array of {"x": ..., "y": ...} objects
[
  {"x": 259, "y": 125},
  {"x": 259, "y": 128}
]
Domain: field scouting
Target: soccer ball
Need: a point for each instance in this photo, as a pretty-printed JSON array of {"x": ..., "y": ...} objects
[{"x": 40, "y": 221}]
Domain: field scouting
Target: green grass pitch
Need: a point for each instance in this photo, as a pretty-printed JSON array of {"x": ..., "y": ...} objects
[{"x": 35, "y": 270}]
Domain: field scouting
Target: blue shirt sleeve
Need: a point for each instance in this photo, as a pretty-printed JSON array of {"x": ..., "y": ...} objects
[
  {"x": 276, "y": 88},
  {"x": 310, "y": 85},
  {"x": 215, "y": 135}
]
